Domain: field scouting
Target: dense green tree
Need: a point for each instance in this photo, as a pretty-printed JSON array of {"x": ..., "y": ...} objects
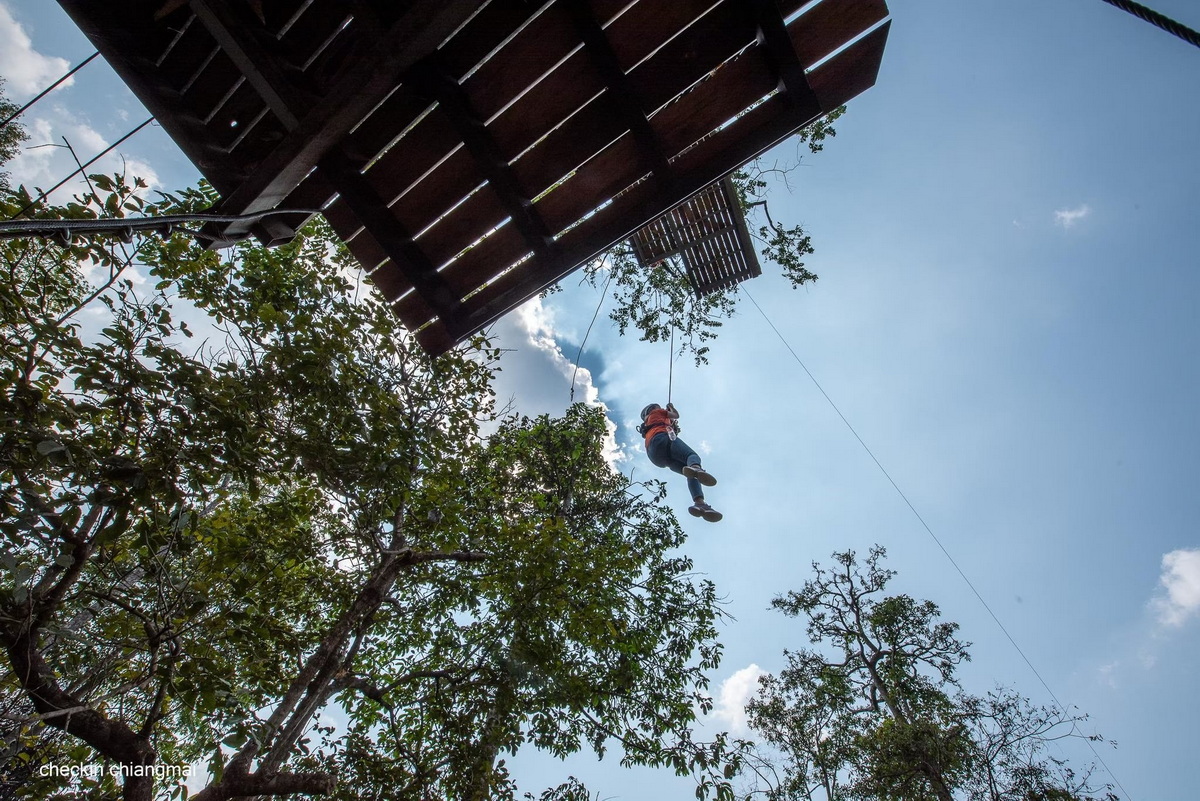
[
  {"x": 878, "y": 714},
  {"x": 11, "y": 135},
  {"x": 214, "y": 551}
]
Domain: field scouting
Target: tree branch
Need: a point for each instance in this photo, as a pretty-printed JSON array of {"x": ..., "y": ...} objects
[{"x": 234, "y": 785}]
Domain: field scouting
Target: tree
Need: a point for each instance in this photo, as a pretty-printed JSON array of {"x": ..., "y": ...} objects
[
  {"x": 11, "y": 134},
  {"x": 661, "y": 301},
  {"x": 210, "y": 551},
  {"x": 882, "y": 717}
]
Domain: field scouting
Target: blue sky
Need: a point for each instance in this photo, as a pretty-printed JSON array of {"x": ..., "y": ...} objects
[{"x": 1007, "y": 313}]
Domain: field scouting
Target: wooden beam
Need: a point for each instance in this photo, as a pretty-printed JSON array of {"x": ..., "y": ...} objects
[
  {"x": 835, "y": 82},
  {"x": 234, "y": 31},
  {"x": 600, "y": 50},
  {"x": 121, "y": 39},
  {"x": 432, "y": 78},
  {"x": 541, "y": 274},
  {"x": 360, "y": 87},
  {"x": 776, "y": 47},
  {"x": 372, "y": 211}
]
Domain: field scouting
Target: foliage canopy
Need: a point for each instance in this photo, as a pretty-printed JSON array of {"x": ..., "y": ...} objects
[
  {"x": 283, "y": 544},
  {"x": 877, "y": 712}
]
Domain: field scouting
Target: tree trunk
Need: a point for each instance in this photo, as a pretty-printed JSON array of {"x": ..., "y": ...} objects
[{"x": 480, "y": 786}]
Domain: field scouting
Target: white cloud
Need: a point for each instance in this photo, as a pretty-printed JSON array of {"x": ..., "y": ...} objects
[
  {"x": 1068, "y": 217},
  {"x": 45, "y": 160},
  {"x": 736, "y": 691},
  {"x": 137, "y": 168},
  {"x": 1107, "y": 674},
  {"x": 26, "y": 70},
  {"x": 1180, "y": 587},
  {"x": 538, "y": 323}
]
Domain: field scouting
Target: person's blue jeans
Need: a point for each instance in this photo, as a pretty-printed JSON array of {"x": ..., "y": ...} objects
[{"x": 675, "y": 454}]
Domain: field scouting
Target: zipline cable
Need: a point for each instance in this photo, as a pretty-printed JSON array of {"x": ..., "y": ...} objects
[
  {"x": 603, "y": 294},
  {"x": 92, "y": 161},
  {"x": 1154, "y": 18},
  {"x": 929, "y": 531},
  {"x": 48, "y": 90}
]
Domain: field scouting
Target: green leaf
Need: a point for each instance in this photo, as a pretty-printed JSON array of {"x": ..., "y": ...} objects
[{"x": 49, "y": 446}]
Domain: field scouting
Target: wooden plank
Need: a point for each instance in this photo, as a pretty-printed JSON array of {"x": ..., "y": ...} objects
[
  {"x": 483, "y": 33},
  {"x": 317, "y": 24},
  {"x": 122, "y": 38},
  {"x": 835, "y": 83},
  {"x": 436, "y": 340},
  {"x": 419, "y": 151},
  {"x": 217, "y": 79},
  {"x": 186, "y": 56},
  {"x": 376, "y": 132},
  {"x": 277, "y": 13},
  {"x": 632, "y": 34},
  {"x": 594, "y": 127},
  {"x": 337, "y": 53},
  {"x": 601, "y": 54},
  {"x": 360, "y": 88},
  {"x": 780, "y": 55},
  {"x": 682, "y": 123},
  {"x": 448, "y": 237},
  {"x": 545, "y": 40},
  {"x": 850, "y": 72},
  {"x": 519, "y": 125},
  {"x": 263, "y": 136},
  {"x": 487, "y": 258},
  {"x": 490, "y": 161},
  {"x": 369, "y": 253},
  {"x": 829, "y": 25},
  {"x": 395, "y": 241},
  {"x": 712, "y": 40},
  {"x": 540, "y": 109},
  {"x": 255, "y": 58},
  {"x": 241, "y": 108}
]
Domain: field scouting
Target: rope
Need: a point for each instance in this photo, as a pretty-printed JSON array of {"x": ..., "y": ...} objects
[
  {"x": 48, "y": 90},
  {"x": 929, "y": 531},
  {"x": 603, "y": 294},
  {"x": 93, "y": 160},
  {"x": 671, "y": 365},
  {"x": 1154, "y": 18}
]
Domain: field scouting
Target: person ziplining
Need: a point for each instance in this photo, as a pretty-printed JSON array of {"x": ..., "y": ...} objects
[{"x": 666, "y": 449}]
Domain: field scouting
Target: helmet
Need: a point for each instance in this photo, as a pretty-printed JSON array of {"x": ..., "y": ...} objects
[{"x": 649, "y": 409}]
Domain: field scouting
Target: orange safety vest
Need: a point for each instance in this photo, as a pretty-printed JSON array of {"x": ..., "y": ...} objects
[{"x": 656, "y": 423}]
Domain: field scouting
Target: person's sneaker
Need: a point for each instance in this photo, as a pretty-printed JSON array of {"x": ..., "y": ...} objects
[
  {"x": 700, "y": 474},
  {"x": 702, "y": 509}
]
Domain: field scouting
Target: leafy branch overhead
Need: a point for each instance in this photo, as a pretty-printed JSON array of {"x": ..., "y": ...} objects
[{"x": 660, "y": 301}]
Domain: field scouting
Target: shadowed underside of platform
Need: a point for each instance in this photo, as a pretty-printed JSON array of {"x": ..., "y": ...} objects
[{"x": 471, "y": 154}]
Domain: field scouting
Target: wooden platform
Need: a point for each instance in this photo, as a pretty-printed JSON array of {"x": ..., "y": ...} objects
[
  {"x": 471, "y": 154},
  {"x": 707, "y": 234}
]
